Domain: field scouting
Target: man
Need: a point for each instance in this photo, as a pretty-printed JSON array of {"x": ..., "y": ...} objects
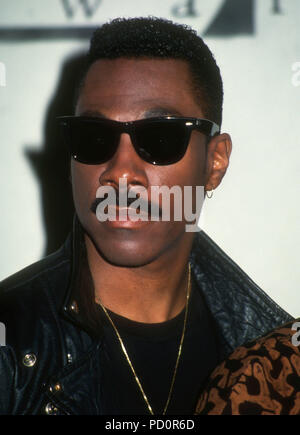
[{"x": 131, "y": 317}]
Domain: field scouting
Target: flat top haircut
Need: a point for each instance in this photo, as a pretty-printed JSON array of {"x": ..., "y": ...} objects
[{"x": 153, "y": 37}]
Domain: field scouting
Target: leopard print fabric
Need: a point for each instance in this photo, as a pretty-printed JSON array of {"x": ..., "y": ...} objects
[{"x": 260, "y": 378}]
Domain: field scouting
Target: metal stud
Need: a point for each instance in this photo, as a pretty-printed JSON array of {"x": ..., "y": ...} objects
[
  {"x": 57, "y": 388},
  {"x": 51, "y": 409},
  {"x": 29, "y": 360},
  {"x": 74, "y": 307}
]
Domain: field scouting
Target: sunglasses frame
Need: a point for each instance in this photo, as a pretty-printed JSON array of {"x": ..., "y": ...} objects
[{"x": 205, "y": 126}]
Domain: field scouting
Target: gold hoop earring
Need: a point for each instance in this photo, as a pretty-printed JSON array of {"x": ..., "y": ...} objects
[{"x": 209, "y": 196}]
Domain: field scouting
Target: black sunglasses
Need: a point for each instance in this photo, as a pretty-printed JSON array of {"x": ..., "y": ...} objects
[{"x": 159, "y": 141}]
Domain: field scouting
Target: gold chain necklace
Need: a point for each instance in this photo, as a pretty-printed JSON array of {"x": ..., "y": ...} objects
[{"x": 178, "y": 355}]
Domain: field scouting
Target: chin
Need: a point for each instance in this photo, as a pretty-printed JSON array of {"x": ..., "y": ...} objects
[
  {"x": 127, "y": 252},
  {"x": 124, "y": 247}
]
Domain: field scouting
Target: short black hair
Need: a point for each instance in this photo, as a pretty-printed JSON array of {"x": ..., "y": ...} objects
[{"x": 160, "y": 38}]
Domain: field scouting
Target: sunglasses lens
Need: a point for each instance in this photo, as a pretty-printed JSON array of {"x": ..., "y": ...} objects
[
  {"x": 157, "y": 141},
  {"x": 162, "y": 143},
  {"x": 91, "y": 142}
]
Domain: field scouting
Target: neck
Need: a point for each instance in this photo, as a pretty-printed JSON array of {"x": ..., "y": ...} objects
[{"x": 152, "y": 293}]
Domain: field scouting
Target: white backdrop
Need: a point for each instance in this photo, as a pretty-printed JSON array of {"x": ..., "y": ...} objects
[{"x": 254, "y": 215}]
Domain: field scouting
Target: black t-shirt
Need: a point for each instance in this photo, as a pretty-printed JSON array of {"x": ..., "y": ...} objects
[{"x": 153, "y": 349}]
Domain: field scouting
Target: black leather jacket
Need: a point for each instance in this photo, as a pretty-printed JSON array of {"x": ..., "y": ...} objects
[{"x": 51, "y": 363}]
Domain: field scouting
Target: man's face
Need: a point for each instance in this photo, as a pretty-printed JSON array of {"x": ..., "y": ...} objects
[{"x": 128, "y": 90}]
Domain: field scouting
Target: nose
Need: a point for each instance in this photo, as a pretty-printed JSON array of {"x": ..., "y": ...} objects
[{"x": 125, "y": 164}]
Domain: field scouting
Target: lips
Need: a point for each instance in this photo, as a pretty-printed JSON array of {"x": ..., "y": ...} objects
[{"x": 127, "y": 217}]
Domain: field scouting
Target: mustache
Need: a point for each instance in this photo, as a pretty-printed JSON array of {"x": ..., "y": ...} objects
[{"x": 144, "y": 204}]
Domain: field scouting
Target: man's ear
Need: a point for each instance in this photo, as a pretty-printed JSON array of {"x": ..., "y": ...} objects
[{"x": 217, "y": 161}]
